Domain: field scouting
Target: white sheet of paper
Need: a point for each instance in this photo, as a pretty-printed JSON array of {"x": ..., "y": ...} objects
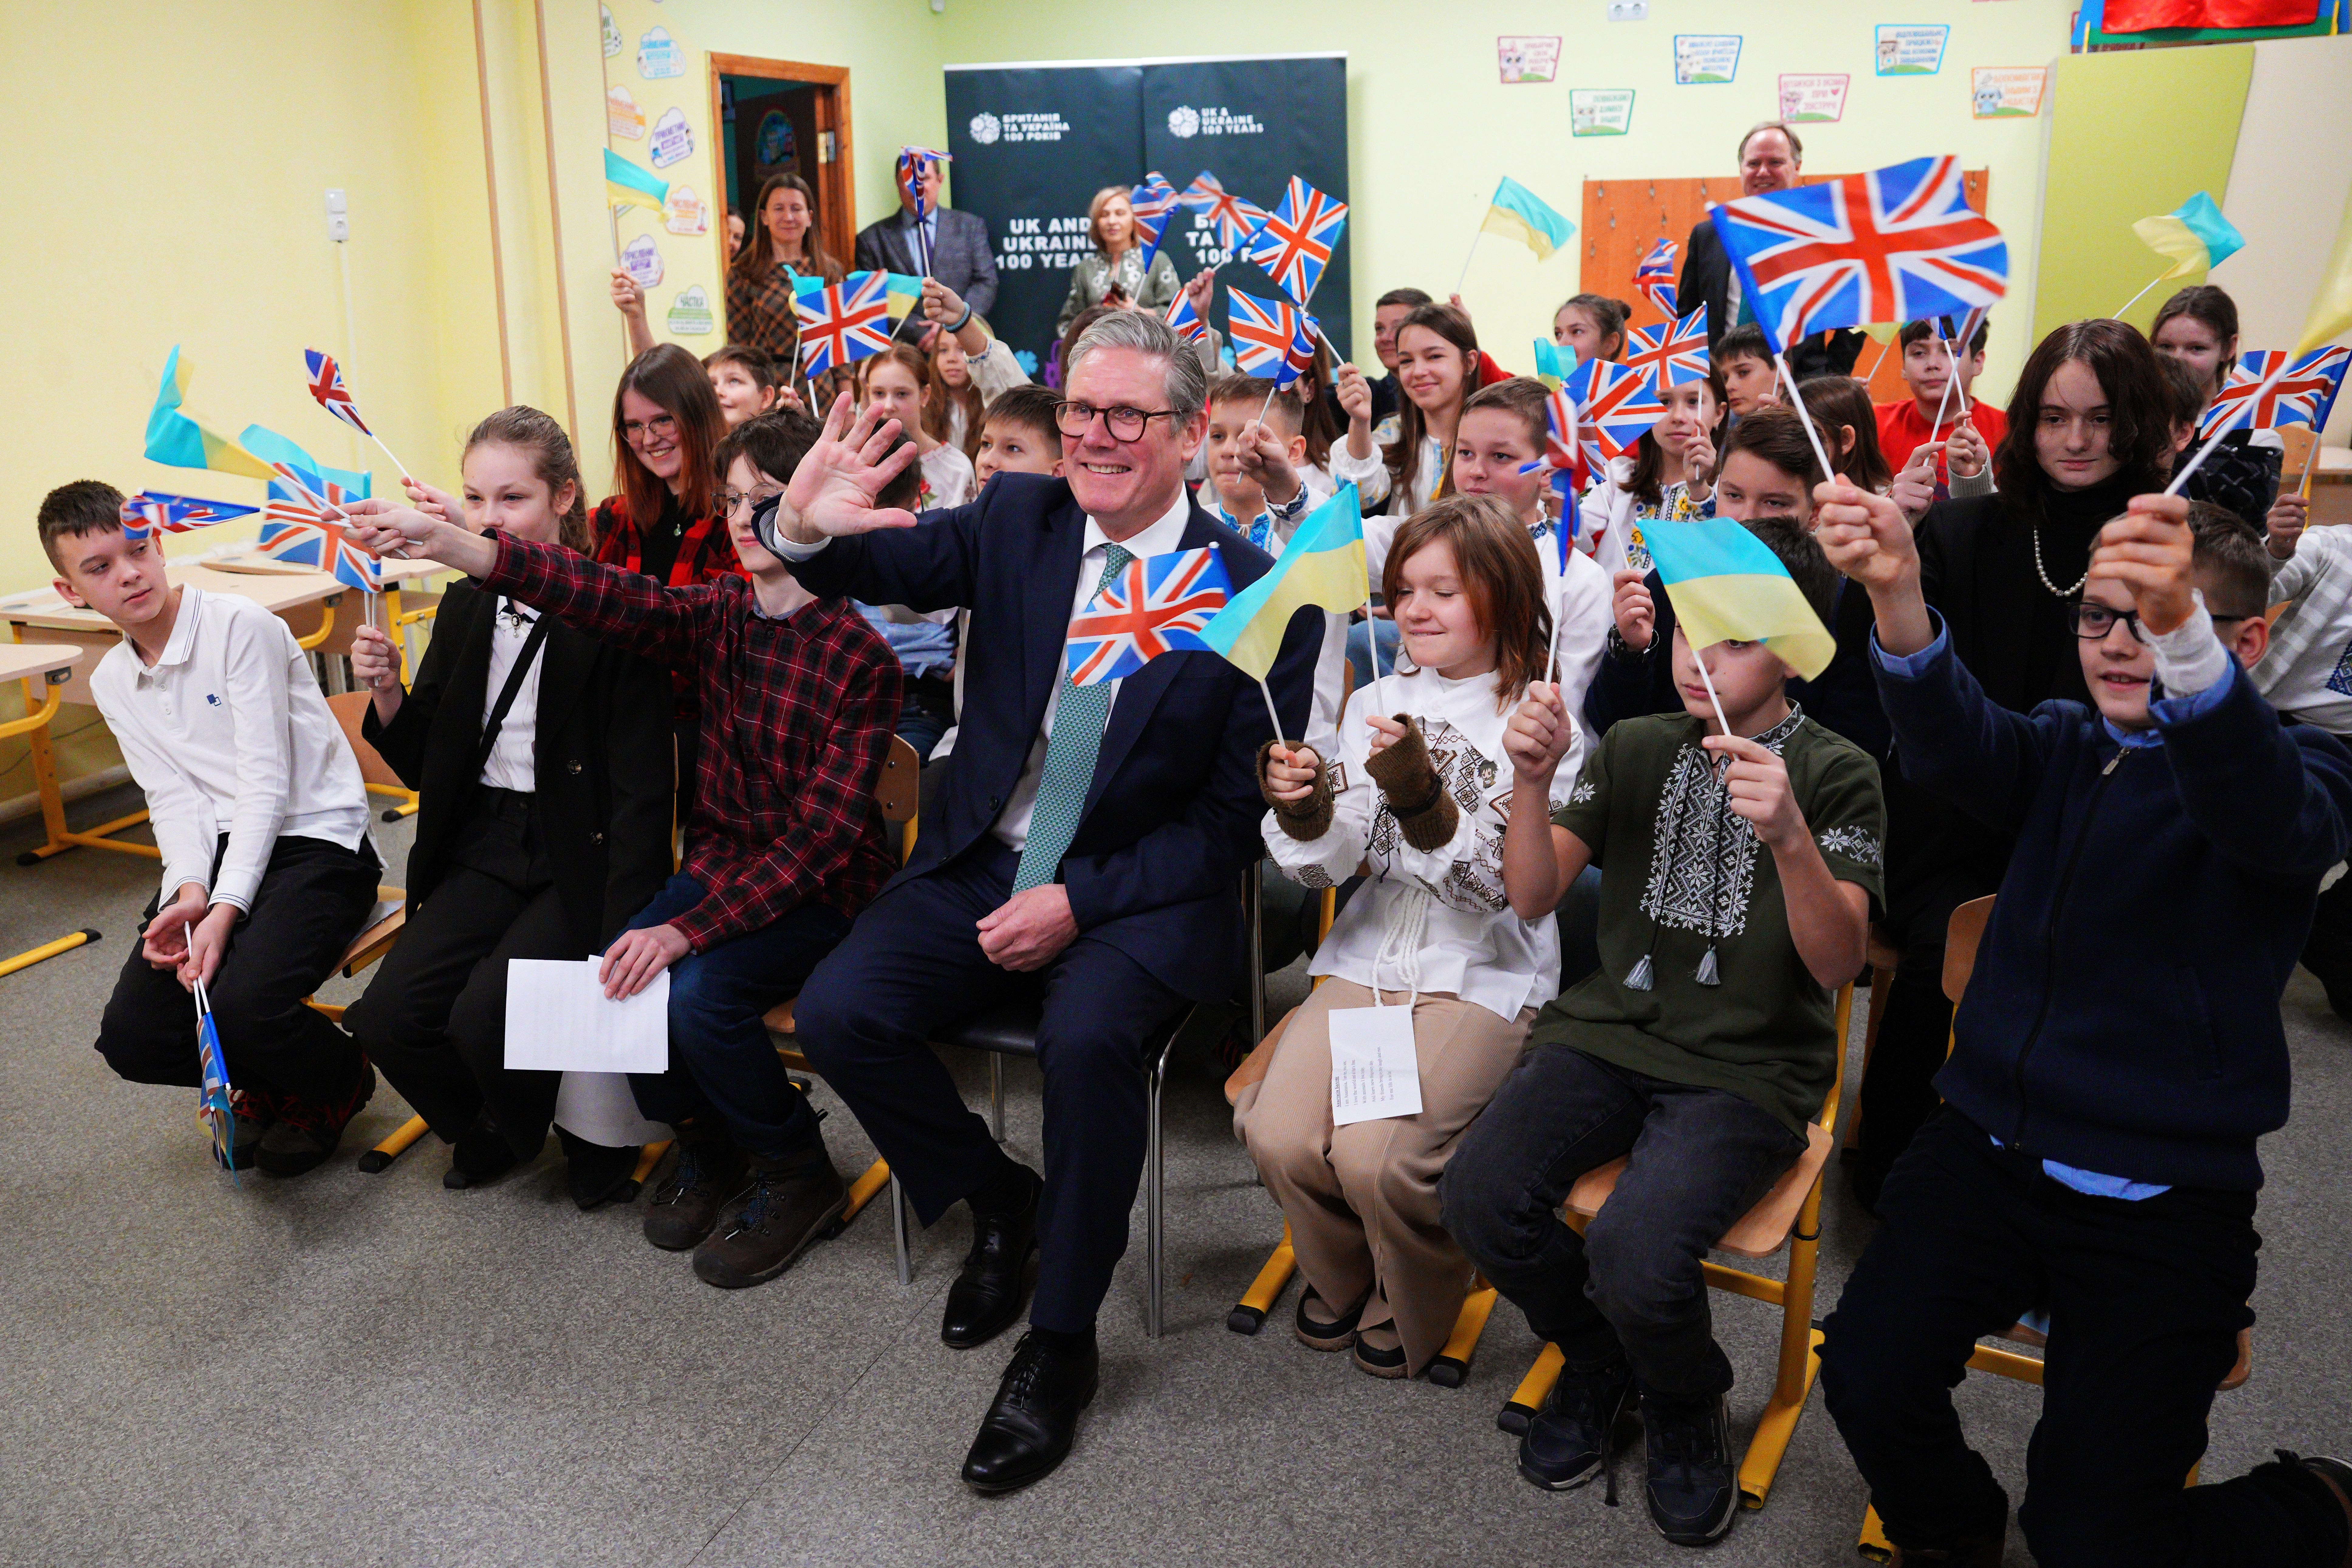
[
  {"x": 1374, "y": 1071},
  {"x": 557, "y": 1020}
]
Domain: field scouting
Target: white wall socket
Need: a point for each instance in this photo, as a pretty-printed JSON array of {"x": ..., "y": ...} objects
[
  {"x": 339, "y": 223},
  {"x": 1629, "y": 10}
]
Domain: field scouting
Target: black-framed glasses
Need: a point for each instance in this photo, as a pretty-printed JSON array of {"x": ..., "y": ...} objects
[
  {"x": 1125, "y": 424},
  {"x": 2094, "y": 621},
  {"x": 633, "y": 431}
]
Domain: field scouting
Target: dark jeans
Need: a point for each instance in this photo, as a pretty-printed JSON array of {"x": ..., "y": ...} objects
[
  {"x": 912, "y": 968},
  {"x": 2146, "y": 1301},
  {"x": 721, "y": 1059},
  {"x": 433, "y": 1020},
  {"x": 1632, "y": 1282},
  {"x": 927, "y": 712},
  {"x": 1914, "y": 1033},
  {"x": 314, "y": 896}
]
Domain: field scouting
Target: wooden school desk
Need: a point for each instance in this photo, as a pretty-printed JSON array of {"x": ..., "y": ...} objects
[
  {"x": 40, "y": 616},
  {"x": 49, "y": 664}
]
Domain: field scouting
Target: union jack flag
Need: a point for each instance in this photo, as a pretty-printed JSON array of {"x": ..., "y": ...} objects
[
  {"x": 1154, "y": 203},
  {"x": 303, "y": 526},
  {"x": 1186, "y": 321},
  {"x": 1564, "y": 455},
  {"x": 1155, "y": 605},
  {"x": 2304, "y": 394},
  {"x": 1295, "y": 243},
  {"x": 152, "y": 511},
  {"x": 1898, "y": 244},
  {"x": 1236, "y": 217},
  {"x": 1671, "y": 354},
  {"x": 1616, "y": 407},
  {"x": 1271, "y": 337},
  {"x": 844, "y": 322},
  {"x": 1654, "y": 278},
  {"x": 914, "y": 163},
  {"x": 327, "y": 386}
]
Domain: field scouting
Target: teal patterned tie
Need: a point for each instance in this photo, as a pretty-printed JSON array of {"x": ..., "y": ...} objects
[{"x": 1079, "y": 712}]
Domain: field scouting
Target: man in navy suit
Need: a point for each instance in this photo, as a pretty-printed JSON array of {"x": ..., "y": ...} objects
[
  {"x": 1086, "y": 847},
  {"x": 957, "y": 243}
]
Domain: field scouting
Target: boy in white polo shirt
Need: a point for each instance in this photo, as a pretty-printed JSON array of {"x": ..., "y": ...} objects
[{"x": 259, "y": 808}]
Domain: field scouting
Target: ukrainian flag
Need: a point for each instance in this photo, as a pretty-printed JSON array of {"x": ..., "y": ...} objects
[
  {"x": 271, "y": 447},
  {"x": 1553, "y": 364},
  {"x": 1322, "y": 565},
  {"x": 174, "y": 438},
  {"x": 2194, "y": 235},
  {"x": 902, "y": 293},
  {"x": 1518, "y": 213},
  {"x": 1727, "y": 586},
  {"x": 626, "y": 185}
]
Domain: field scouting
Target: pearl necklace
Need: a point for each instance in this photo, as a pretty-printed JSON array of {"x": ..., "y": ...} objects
[{"x": 2042, "y": 572}]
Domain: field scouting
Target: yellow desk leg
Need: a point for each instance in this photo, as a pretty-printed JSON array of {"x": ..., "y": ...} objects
[
  {"x": 1873, "y": 1544},
  {"x": 60, "y": 838},
  {"x": 382, "y": 1156},
  {"x": 325, "y": 626},
  {"x": 48, "y": 950}
]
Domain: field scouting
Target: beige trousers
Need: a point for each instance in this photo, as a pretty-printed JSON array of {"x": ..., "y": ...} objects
[{"x": 1361, "y": 1200}]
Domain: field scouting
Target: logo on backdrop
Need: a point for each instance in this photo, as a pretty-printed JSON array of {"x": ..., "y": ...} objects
[
  {"x": 989, "y": 129},
  {"x": 1187, "y": 122},
  {"x": 986, "y": 129}
]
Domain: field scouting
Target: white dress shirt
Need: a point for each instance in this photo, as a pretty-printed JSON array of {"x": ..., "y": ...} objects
[
  {"x": 510, "y": 763},
  {"x": 227, "y": 730},
  {"x": 1012, "y": 827}
]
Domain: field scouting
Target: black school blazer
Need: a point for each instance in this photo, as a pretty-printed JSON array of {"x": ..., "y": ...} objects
[{"x": 601, "y": 759}]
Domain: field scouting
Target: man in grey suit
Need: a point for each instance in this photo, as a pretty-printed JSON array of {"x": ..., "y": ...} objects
[{"x": 958, "y": 242}]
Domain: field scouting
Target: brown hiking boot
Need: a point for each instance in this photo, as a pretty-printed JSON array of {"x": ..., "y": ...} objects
[
  {"x": 707, "y": 1170},
  {"x": 770, "y": 1225},
  {"x": 305, "y": 1133}
]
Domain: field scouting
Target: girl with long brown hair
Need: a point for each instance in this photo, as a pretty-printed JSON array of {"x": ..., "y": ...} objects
[
  {"x": 1667, "y": 477},
  {"x": 1429, "y": 934}
]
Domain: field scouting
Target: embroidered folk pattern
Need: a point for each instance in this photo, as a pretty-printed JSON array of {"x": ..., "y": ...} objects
[
  {"x": 1854, "y": 842},
  {"x": 1473, "y": 884},
  {"x": 1697, "y": 880},
  {"x": 2340, "y": 682}
]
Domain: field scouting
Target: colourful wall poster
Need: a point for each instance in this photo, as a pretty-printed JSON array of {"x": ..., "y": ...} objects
[
  {"x": 622, "y": 115},
  {"x": 1599, "y": 111},
  {"x": 613, "y": 42},
  {"x": 1811, "y": 99},
  {"x": 658, "y": 55},
  {"x": 686, "y": 213},
  {"x": 641, "y": 259},
  {"x": 690, "y": 314},
  {"x": 775, "y": 143},
  {"x": 672, "y": 140},
  {"x": 2007, "y": 92},
  {"x": 1706, "y": 57},
  {"x": 1526, "y": 58},
  {"x": 1905, "y": 49}
]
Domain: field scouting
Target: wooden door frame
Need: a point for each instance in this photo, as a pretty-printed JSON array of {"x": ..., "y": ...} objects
[{"x": 837, "y": 195}]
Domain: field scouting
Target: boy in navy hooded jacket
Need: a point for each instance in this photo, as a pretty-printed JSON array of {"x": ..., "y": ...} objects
[{"x": 2117, "y": 1056}]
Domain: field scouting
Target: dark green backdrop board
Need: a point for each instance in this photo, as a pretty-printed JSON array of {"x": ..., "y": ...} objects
[{"x": 1034, "y": 143}]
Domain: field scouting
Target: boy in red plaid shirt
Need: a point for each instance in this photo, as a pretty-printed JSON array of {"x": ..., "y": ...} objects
[{"x": 783, "y": 843}]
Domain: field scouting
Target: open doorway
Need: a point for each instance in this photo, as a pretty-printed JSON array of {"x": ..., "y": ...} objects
[{"x": 783, "y": 117}]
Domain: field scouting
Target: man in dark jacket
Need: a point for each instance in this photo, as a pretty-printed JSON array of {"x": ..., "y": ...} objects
[
  {"x": 955, "y": 242},
  {"x": 1770, "y": 158},
  {"x": 2117, "y": 1056}
]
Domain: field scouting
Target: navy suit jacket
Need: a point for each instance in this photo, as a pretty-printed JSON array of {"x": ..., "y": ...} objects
[{"x": 1171, "y": 818}]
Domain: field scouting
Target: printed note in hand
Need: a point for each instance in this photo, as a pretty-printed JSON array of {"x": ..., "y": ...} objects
[
  {"x": 557, "y": 1020},
  {"x": 1374, "y": 1072}
]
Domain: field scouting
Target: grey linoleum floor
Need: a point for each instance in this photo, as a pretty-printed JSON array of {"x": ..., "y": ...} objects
[{"x": 358, "y": 1370}]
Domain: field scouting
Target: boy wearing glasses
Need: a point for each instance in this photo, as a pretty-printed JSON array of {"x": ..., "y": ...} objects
[
  {"x": 783, "y": 845},
  {"x": 2117, "y": 1056}
]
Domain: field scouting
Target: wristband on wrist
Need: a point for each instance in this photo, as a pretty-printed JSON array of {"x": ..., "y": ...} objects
[{"x": 962, "y": 321}]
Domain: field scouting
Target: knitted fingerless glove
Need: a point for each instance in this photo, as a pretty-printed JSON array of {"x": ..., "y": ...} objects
[
  {"x": 1305, "y": 820},
  {"x": 1426, "y": 814}
]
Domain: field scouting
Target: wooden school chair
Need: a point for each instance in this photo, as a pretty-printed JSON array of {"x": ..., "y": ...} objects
[
  {"x": 349, "y": 709},
  {"x": 1964, "y": 936},
  {"x": 896, "y": 796},
  {"x": 1788, "y": 1215}
]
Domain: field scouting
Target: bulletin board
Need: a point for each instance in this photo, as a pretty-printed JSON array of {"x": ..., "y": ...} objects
[{"x": 1624, "y": 218}]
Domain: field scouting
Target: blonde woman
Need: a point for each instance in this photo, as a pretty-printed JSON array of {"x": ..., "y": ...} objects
[{"x": 1114, "y": 273}]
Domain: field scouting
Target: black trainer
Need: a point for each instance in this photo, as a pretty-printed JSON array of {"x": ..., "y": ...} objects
[
  {"x": 1691, "y": 1490},
  {"x": 306, "y": 1132},
  {"x": 481, "y": 1156},
  {"x": 1586, "y": 1421},
  {"x": 709, "y": 1170}
]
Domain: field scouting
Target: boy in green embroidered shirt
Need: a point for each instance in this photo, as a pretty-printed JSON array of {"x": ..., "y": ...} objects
[{"x": 1739, "y": 874}]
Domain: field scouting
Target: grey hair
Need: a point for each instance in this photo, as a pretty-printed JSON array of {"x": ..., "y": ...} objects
[{"x": 1188, "y": 384}]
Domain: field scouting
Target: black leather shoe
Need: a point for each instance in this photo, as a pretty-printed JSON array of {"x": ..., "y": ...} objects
[
  {"x": 1028, "y": 1431},
  {"x": 994, "y": 1284}
]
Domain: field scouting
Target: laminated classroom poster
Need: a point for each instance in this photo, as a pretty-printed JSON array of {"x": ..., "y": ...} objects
[
  {"x": 1706, "y": 58},
  {"x": 1526, "y": 58},
  {"x": 642, "y": 259},
  {"x": 1599, "y": 111},
  {"x": 658, "y": 55},
  {"x": 2006, "y": 92},
  {"x": 690, "y": 314},
  {"x": 684, "y": 213},
  {"x": 613, "y": 42},
  {"x": 1911, "y": 48},
  {"x": 673, "y": 141},
  {"x": 622, "y": 115},
  {"x": 1813, "y": 100}
]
